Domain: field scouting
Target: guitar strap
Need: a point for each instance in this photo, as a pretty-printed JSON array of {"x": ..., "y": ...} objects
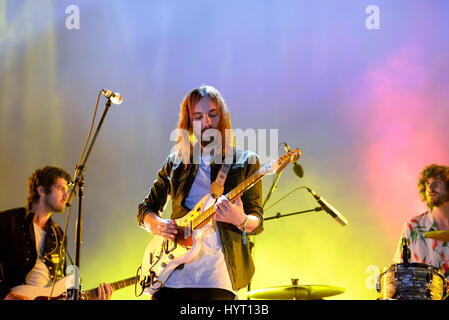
[{"x": 217, "y": 187}]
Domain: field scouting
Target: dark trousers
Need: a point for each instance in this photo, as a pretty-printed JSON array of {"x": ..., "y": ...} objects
[{"x": 167, "y": 294}]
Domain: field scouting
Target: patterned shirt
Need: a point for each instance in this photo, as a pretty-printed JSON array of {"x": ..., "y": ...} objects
[{"x": 424, "y": 250}]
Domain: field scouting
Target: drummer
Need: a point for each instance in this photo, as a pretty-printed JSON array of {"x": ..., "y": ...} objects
[{"x": 433, "y": 185}]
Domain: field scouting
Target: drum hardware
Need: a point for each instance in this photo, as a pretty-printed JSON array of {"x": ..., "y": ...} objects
[
  {"x": 296, "y": 292},
  {"x": 405, "y": 251}
]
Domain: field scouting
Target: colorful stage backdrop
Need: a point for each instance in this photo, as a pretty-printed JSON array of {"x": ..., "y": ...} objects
[{"x": 361, "y": 87}]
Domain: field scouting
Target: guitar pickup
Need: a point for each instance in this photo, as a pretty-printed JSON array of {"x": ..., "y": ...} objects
[
  {"x": 188, "y": 230},
  {"x": 173, "y": 247},
  {"x": 165, "y": 246}
]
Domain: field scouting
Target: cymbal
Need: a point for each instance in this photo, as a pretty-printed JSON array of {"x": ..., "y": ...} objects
[
  {"x": 295, "y": 292},
  {"x": 442, "y": 235}
]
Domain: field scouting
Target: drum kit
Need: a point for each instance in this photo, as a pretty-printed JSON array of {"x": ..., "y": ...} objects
[
  {"x": 401, "y": 281},
  {"x": 413, "y": 281}
]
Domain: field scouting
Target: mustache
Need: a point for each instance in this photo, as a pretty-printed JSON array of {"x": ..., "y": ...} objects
[{"x": 204, "y": 130}]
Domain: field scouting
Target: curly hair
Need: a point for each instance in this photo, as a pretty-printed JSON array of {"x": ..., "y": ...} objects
[
  {"x": 432, "y": 171},
  {"x": 45, "y": 177}
]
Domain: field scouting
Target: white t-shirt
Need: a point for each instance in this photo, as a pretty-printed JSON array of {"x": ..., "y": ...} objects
[
  {"x": 209, "y": 269},
  {"x": 39, "y": 276}
]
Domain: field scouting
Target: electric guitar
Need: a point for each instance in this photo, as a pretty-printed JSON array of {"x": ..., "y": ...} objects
[
  {"x": 162, "y": 256},
  {"x": 61, "y": 287}
]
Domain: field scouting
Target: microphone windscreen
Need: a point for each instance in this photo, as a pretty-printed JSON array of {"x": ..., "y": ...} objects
[{"x": 298, "y": 170}]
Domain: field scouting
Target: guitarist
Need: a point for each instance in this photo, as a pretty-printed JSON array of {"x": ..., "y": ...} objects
[
  {"x": 30, "y": 241},
  {"x": 224, "y": 264}
]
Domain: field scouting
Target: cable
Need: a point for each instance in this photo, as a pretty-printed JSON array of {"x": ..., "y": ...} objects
[{"x": 303, "y": 187}]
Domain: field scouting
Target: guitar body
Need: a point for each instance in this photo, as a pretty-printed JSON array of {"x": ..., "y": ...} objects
[
  {"x": 42, "y": 293},
  {"x": 163, "y": 256},
  {"x": 167, "y": 262}
]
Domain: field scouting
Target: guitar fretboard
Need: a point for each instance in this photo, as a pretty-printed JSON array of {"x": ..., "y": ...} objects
[
  {"x": 274, "y": 166},
  {"x": 245, "y": 185},
  {"x": 93, "y": 293}
]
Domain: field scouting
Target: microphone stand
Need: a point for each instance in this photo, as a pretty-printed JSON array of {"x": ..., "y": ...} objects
[
  {"x": 252, "y": 243},
  {"x": 75, "y": 293},
  {"x": 273, "y": 186},
  {"x": 78, "y": 239},
  {"x": 279, "y": 215}
]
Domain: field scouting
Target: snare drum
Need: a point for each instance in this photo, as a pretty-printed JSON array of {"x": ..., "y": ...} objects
[{"x": 411, "y": 281}]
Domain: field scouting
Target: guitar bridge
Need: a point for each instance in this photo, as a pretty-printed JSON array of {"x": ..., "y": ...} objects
[
  {"x": 152, "y": 282},
  {"x": 148, "y": 281}
]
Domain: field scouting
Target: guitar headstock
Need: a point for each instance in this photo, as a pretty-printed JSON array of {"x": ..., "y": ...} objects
[{"x": 277, "y": 165}]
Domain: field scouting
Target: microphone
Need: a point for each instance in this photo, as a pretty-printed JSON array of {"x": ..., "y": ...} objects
[
  {"x": 328, "y": 208},
  {"x": 297, "y": 168},
  {"x": 115, "y": 97}
]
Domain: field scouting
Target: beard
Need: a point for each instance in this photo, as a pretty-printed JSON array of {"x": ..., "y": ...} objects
[
  {"x": 58, "y": 207},
  {"x": 438, "y": 201},
  {"x": 212, "y": 139}
]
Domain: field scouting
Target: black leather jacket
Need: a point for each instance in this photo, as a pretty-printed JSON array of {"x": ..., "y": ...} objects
[
  {"x": 175, "y": 179},
  {"x": 18, "y": 248}
]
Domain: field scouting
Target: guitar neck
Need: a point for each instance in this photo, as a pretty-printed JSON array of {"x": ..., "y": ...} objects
[
  {"x": 275, "y": 166},
  {"x": 245, "y": 185},
  {"x": 93, "y": 293}
]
